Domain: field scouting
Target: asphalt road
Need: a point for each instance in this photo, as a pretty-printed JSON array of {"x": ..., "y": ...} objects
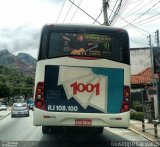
[{"x": 20, "y": 132}]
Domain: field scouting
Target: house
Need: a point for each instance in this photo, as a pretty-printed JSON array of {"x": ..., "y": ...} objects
[{"x": 143, "y": 88}]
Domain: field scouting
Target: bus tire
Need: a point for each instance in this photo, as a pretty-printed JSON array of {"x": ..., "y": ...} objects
[
  {"x": 45, "y": 129},
  {"x": 99, "y": 130}
]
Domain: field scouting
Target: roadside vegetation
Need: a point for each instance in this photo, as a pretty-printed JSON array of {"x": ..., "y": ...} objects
[
  {"x": 138, "y": 114},
  {"x": 14, "y": 83}
]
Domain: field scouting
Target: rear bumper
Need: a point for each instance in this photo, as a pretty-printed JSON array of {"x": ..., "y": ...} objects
[
  {"x": 20, "y": 114},
  {"x": 45, "y": 118}
]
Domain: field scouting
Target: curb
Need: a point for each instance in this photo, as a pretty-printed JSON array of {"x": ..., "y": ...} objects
[
  {"x": 5, "y": 116},
  {"x": 145, "y": 135}
]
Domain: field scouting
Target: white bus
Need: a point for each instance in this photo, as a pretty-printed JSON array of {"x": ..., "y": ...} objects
[{"x": 82, "y": 77}]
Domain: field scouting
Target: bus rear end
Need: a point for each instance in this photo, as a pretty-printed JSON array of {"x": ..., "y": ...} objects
[{"x": 89, "y": 88}]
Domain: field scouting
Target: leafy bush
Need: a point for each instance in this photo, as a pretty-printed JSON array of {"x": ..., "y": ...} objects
[
  {"x": 137, "y": 106},
  {"x": 137, "y": 115}
]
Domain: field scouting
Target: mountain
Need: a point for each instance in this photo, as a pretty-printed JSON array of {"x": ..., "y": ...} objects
[
  {"x": 6, "y": 58},
  {"x": 23, "y": 62},
  {"x": 26, "y": 58}
]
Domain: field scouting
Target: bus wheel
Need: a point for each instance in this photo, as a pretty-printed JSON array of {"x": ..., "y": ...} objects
[
  {"x": 46, "y": 130},
  {"x": 99, "y": 130}
]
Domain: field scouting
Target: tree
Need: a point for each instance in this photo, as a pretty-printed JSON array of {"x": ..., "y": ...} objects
[{"x": 4, "y": 91}]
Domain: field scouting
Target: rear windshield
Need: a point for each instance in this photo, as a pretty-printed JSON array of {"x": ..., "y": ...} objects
[
  {"x": 19, "y": 105},
  {"x": 102, "y": 46}
]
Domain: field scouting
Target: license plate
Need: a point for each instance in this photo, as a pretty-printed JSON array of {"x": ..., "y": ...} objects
[
  {"x": 20, "y": 112},
  {"x": 83, "y": 122}
]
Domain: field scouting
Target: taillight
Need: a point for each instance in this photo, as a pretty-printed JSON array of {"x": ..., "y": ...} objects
[
  {"x": 126, "y": 99},
  {"x": 39, "y": 96}
]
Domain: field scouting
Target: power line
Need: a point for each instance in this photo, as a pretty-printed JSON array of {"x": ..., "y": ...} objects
[
  {"x": 137, "y": 9},
  {"x": 122, "y": 9},
  {"x": 128, "y": 14},
  {"x": 101, "y": 12},
  {"x": 116, "y": 12},
  {"x": 113, "y": 9},
  {"x": 123, "y": 6},
  {"x": 133, "y": 2},
  {"x": 75, "y": 11},
  {"x": 144, "y": 13},
  {"x": 68, "y": 11},
  {"x": 131, "y": 24},
  {"x": 147, "y": 20},
  {"x": 98, "y": 16},
  {"x": 85, "y": 12},
  {"x": 137, "y": 42},
  {"x": 60, "y": 11},
  {"x": 124, "y": 3},
  {"x": 144, "y": 21}
]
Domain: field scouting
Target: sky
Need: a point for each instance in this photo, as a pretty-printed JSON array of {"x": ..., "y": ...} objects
[{"x": 21, "y": 21}]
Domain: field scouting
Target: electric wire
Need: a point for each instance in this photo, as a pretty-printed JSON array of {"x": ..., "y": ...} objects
[
  {"x": 68, "y": 11},
  {"x": 137, "y": 42},
  {"x": 122, "y": 10},
  {"x": 149, "y": 19},
  {"x": 137, "y": 28},
  {"x": 128, "y": 14},
  {"x": 123, "y": 5},
  {"x": 117, "y": 11},
  {"x": 85, "y": 12},
  {"x": 60, "y": 10},
  {"x": 143, "y": 13},
  {"x": 133, "y": 2},
  {"x": 113, "y": 9},
  {"x": 141, "y": 22},
  {"x": 98, "y": 17},
  {"x": 136, "y": 10},
  {"x": 75, "y": 11}
]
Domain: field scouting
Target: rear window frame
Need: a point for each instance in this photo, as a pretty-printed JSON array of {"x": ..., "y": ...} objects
[{"x": 77, "y": 32}]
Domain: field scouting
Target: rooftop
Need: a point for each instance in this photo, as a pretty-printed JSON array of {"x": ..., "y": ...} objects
[{"x": 144, "y": 77}]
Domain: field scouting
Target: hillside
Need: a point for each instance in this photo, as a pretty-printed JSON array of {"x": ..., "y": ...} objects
[
  {"x": 13, "y": 82},
  {"x": 23, "y": 62},
  {"x": 16, "y": 74},
  {"x": 26, "y": 58}
]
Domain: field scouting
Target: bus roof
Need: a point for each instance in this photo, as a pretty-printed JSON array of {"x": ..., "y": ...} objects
[{"x": 85, "y": 28}]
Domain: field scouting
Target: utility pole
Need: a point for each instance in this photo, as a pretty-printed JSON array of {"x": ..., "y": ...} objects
[
  {"x": 151, "y": 55},
  {"x": 105, "y": 14},
  {"x": 157, "y": 37},
  {"x": 158, "y": 80}
]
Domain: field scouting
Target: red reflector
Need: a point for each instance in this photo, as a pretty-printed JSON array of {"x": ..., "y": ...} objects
[
  {"x": 126, "y": 106},
  {"x": 120, "y": 30},
  {"x": 126, "y": 94},
  {"x": 39, "y": 103},
  {"x": 39, "y": 90},
  {"x": 51, "y": 26}
]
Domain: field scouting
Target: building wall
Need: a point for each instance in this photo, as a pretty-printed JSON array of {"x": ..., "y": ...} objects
[{"x": 140, "y": 59}]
